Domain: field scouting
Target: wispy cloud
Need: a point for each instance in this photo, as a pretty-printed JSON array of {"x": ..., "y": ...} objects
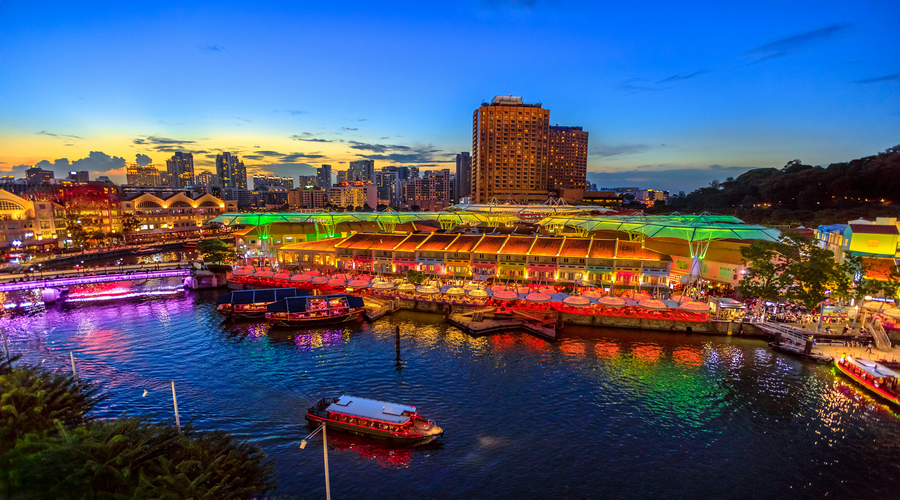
[
  {"x": 687, "y": 76},
  {"x": 791, "y": 44},
  {"x": 212, "y": 49},
  {"x": 295, "y": 112},
  {"x": 605, "y": 151},
  {"x": 306, "y": 136},
  {"x": 893, "y": 77},
  {"x": 362, "y": 119},
  {"x": 44, "y": 132},
  {"x": 348, "y": 128},
  {"x": 243, "y": 119}
]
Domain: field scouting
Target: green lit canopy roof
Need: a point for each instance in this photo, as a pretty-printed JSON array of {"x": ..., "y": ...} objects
[{"x": 385, "y": 220}]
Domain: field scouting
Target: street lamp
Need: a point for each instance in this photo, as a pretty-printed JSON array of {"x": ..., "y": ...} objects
[{"x": 324, "y": 452}]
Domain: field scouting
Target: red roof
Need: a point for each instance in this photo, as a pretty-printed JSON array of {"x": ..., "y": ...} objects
[
  {"x": 603, "y": 249},
  {"x": 546, "y": 247},
  {"x": 437, "y": 242},
  {"x": 490, "y": 244},
  {"x": 873, "y": 229},
  {"x": 328, "y": 244},
  {"x": 517, "y": 245},
  {"x": 385, "y": 241},
  {"x": 411, "y": 243},
  {"x": 575, "y": 247},
  {"x": 464, "y": 243}
]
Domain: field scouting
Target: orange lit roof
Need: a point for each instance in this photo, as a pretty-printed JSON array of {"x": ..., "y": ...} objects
[
  {"x": 490, "y": 244},
  {"x": 321, "y": 245},
  {"x": 546, "y": 247},
  {"x": 244, "y": 232},
  {"x": 464, "y": 243},
  {"x": 373, "y": 241},
  {"x": 603, "y": 249},
  {"x": 437, "y": 242},
  {"x": 575, "y": 247},
  {"x": 354, "y": 241},
  {"x": 517, "y": 245},
  {"x": 411, "y": 243}
]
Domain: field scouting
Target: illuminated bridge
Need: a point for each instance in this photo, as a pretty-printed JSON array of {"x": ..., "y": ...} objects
[{"x": 62, "y": 279}]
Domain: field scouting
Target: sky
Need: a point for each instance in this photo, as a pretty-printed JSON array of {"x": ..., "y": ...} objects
[{"x": 673, "y": 94}]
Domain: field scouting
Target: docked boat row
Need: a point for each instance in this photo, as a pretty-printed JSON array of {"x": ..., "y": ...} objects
[{"x": 291, "y": 306}]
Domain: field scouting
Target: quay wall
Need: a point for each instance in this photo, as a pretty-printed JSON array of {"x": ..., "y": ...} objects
[{"x": 707, "y": 327}]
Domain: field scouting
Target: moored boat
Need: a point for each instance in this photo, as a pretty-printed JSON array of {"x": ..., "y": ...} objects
[
  {"x": 372, "y": 418},
  {"x": 253, "y": 303},
  {"x": 190, "y": 244},
  {"x": 315, "y": 309},
  {"x": 878, "y": 379}
]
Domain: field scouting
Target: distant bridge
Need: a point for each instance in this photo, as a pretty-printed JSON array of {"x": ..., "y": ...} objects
[{"x": 56, "y": 279}]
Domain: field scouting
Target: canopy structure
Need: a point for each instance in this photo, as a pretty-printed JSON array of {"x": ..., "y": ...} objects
[
  {"x": 697, "y": 230},
  {"x": 577, "y": 300}
]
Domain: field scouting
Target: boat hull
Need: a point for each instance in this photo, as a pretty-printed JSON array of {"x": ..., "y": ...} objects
[
  {"x": 875, "y": 391},
  {"x": 370, "y": 432},
  {"x": 333, "y": 320}
]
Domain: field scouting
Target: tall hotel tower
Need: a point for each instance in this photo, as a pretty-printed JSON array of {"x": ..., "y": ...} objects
[{"x": 510, "y": 151}]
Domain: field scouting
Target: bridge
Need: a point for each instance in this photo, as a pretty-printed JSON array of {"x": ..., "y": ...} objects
[{"x": 69, "y": 277}]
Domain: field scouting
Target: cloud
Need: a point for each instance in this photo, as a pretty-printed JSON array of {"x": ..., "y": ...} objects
[
  {"x": 44, "y": 132},
  {"x": 672, "y": 179},
  {"x": 383, "y": 138},
  {"x": 19, "y": 170},
  {"x": 362, "y": 119},
  {"x": 348, "y": 128},
  {"x": 142, "y": 159},
  {"x": 166, "y": 145},
  {"x": 377, "y": 148},
  {"x": 893, "y": 77},
  {"x": 96, "y": 162},
  {"x": 402, "y": 154},
  {"x": 293, "y": 157},
  {"x": 243, "y": 119},
  {"x": 283, "y": 157},
  {"x": 789, "y": 45},
  {"x": 306, "y": 136},
  {"x": 295, "y": 112},
  {"x": 152, "y": 139},
  {"x": 633, "y": 88},
  {"x": 605, "y": 151},
  {"x": 679, "y": 77},
  {"x": 282, "y": 169},
  {"x": 212, "y": 49}
]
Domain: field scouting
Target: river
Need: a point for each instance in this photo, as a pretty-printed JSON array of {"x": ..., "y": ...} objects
[{"x": 597, "y": 414}]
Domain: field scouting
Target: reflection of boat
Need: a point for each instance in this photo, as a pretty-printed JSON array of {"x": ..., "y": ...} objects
[
  {"x": 874, "y": 377},
  {"x": 316, "y": 309},
  {"x": 253, "y": 303},
  {"x": 190, "y": 244},
  {"x": 386, "y": 454},
  {"x": 378, "y": 419}
]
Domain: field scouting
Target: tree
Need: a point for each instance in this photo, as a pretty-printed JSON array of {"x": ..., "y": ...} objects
[
  {"x": 415, "y": 208},
  {"x": 99, "y": 237},
  {"x": 415, "y": 277},
  {"x": 812, "y": 274},
  {"x": 130, "y": 224},
  {"x": 366, "y": 207},
  {"x": 76, "y": 231},
  {"x": 765, "y": 276},
  {"x": 215, "y": 251}
]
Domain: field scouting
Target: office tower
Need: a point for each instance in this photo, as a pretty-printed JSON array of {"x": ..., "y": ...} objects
[
  {"x": 343, "y": 176},
  {"x": 79, "y": 176},
  {"x": 510, "y": 151},
  {"x": 431, "y": 192},
  {"x": 181, "y": 169},
  {"x": 463, "y": 176},
  {"x": 207, "y": 178},
  {"x": 323, "y": 176},
  {"x": 231, "y": 171},
  {"x": 307, "y": 180},
  {"x": 568, "y": 158},
  {"x": 387, "y": 185},
  {"x": 363, "y": 170},
  {"x": 37, "y": 175},
  {"x": 146, "y": 175}
]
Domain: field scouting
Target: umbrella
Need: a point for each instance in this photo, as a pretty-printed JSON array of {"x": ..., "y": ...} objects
[
  {"x": 470, "y": 286},
  {"x": 478, "y": 293},
  {"x": 593, "y": 293},
  {"x": 611, "y": 301},
  {"x": 383, "y": 285},
  {"x": 537, "y": 297},
  {"x": 344, "y": 277},
  {"x": 406, "y": 287},
  {"x": 313, "y": 273},
  {"x": 549, "y": 290},
  {"x": 427, "y": 289},
  {"x": 320, "y": 280},
  {"x": 522, "y": 289},
  {"x": 577, "y": 300},
  {"x": 873, "y": 305},
  {"x": 358, "y": 283},
  {"x": 506, "y": 295},
  {"x": 301, "y": 277},
  {"x": 243, "y": 271},
  {"x": 337, "y": 282},
  {"x": 455, "y": 291},
  {"x": 284, "y": 275},
  {"x": 498, "y": 288},
  {"x": 263, "y": 272},
  {"x": 695, "y": 306},
  {"x": 652, "y": 304}
]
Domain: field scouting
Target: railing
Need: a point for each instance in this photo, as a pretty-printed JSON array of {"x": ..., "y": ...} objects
[{"x": 882, "y": 342}]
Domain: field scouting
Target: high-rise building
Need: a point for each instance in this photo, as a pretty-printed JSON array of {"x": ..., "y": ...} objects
[
  {"x": 463, "y": 176},
  {"x": 353, "y": 194},
  {"x": 307, "y": 180},
  {"x": 432, "y": 192},
  {"x": 142, "y": 175},
  {"x": 362, "y": 170},
  {"x": 307, "y": 197},
  {"x": 37, "y": 175},
  {"x": 568, "y": 158},
  {"x": 231, "y": 171},
  {"x": 272, "y": 181},
  {"x": 386, "y": 183},
  {"x": 323, "y": 176},
  {"x": 207, "y": 178},
  {"x": 510, "y": 151},
  {"x": 343, "y": 177},
  {"x": 80, "y": 176},
  {"x": 181, "y": 169}
]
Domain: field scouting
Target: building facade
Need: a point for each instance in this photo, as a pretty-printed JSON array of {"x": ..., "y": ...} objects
[
  {"x": 146, "y": 175},
  {"x": 323, "y": 176},
  {"x": 431, "y": 192},
  {"x": 231, "y": 171},
  {"x": 510, "y": 151},
  {"x": 362, "y": 170},
  {"x": 25, "y": 223},
  {"x": 463, "y": 176},
  {"x": 272, "y": 181},
  {"x": 353, "y": 194},
  {"x": 181, "y": 169},
  {"x": 178, "y": 213},
  {"x": 307, "y": 197},
  {"x": 568, "y": 158}
]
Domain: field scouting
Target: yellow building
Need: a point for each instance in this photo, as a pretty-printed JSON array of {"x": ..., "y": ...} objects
[
  {"x": 25, "y": 223},
  {"x": 178, "y": 213}
]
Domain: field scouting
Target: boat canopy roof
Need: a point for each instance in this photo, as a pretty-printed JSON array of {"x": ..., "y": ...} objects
[
  {"x": 874, "y": 369},
  {"x": 263, "y": 296},
  {"x": 301, "y": 304},
  {"x": 371, "y": 408}
]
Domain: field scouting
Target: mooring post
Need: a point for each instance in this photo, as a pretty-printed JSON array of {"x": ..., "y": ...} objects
[
  {"x": 72, "y": 357},
  {"x": 175, "y": 402}
]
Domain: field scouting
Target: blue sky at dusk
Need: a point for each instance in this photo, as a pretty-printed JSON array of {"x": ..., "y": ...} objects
[{"x": 674, "y": 94}]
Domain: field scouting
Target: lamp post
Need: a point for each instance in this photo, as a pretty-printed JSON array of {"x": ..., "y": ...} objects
[{"x": 324, "y": 452}]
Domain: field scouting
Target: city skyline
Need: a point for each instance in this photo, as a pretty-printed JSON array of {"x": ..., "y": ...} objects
[{"x": 672, "y": 97}]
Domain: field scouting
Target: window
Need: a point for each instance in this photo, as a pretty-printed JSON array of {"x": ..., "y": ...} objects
[
  {"x": 726, "y": 272},
  {"x": 8, "y": 205},
  {"x": 681, "y": 264},
  {"x": 872, "y": 244}
]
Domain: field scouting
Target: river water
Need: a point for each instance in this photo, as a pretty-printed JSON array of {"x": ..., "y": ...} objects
[{"x": 598, "y": 414}]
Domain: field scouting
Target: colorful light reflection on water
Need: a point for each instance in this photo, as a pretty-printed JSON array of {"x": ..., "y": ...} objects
[{"x": 601, "y": 413}]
